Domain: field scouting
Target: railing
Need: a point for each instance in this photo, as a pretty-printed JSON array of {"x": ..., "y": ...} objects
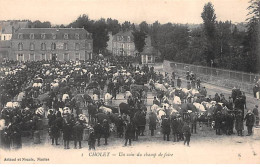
[
  {"x": 216, "y": 72},
  {"x": 220, "y": 77}
]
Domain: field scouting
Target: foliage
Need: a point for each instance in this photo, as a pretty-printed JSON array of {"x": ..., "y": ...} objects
[{"x": 139, "y": 40}]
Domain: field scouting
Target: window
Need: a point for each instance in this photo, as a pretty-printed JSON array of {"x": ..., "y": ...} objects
[
  {"x": 65, "y": 46},
  {"x": 43, "y": 36},
  {"x": 53, "y": 46},
  {"x": 77, "y": 56},
  {"x": 66, "y": 57},
  {"x": 122, "y": 46},
  {"x": 89, "y": 45},
  {"x": 76, "y": 46},
  {"x": 31, "y": 56},
  {"x": 128, "y": 38},
  {"x": 77, "y": 36},
  {"x": 20, "y": 36},
  {"x": 4, "y": 38},
  {"x": 128, "y": 46},
  {"x": 54, "y": 36},
  {"x": 31, "y": 46},
  {"x": 43, "y": 46},
  {"x": 128, "y": 53},
  {"x": 66, "y": 36},
  {"x": 20, "y": 57},
  {"x": 31, "y": 36},
  {"x": 43, "y": 56},
  {"x": 20, "y": 46}
]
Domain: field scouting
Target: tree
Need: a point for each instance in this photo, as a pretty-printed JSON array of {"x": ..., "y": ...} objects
[
  {"x": 251, "y": 42},
  {"x": 154, "y": 34},
  {"x": 209, "y": 20},
  {"x": 39, "y": 24},
  {"x": 113, "y": 25},
  {"x": 126, "y": 26},
  {"x": 139, "y": 40},
  {"x": 144, "y": 27},
  {"x": 100, "y": 36}
]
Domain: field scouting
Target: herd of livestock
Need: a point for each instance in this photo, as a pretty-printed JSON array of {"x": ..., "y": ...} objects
[{"x": 83, "y": 92}]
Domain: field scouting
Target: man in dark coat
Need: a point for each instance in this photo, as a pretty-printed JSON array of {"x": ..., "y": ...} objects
[
  {"x": 155, "y": 101},
  {"x": 67, "y": 132},
  {"x": 250, "y": 121},
  {"x": 217, "y": 98},
  {"x": 186, "y": 133},
  {"x": 175, "y": 125},
  {"x": 152, "y": 122},
  {"x": 239, "y": 122},
  {"x": 172, "y": 83},
  {"x": 54, "y": 133},
  {"x": 120, "y": 127},
  {"x": 51, "y": 118},
  {"x": 166, "y": 128},
  {"x": 218, "y": 122},
  {"x": 78, "y": 134},
  {"x": 140, "y": 122},
  {"x": 106, "y": 130},
  {"x": 188, "y": 85},
  {"x": 129, "y": 132},
  {"x": 91, "y": 139},
  {"x": 193, "y": 120},
  {"x": 179, "y": 82},
  {"x": 98, "y": 132},
  {"x": 256, "y": 113}
]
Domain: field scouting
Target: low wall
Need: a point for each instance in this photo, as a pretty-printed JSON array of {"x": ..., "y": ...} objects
[{"x": 227, "y": 83}]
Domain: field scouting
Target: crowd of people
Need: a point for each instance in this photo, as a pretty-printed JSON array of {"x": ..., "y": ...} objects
[{"x": 60, "y": 92}]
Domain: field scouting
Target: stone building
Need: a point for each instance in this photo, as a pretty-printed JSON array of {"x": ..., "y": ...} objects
[
  {"x": 110, "y": 42},
  {"x": 149, "y": 55},
  {"x": 123, "y": 44},
  {"x": 63, "y": 44},
  {"x": 7, "y": 28}
]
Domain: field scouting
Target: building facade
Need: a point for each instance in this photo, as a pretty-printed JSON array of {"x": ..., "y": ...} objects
[
  {"x": 7, "y": 28},
  {"x": 62, "y": 44},
  {"x": 123, "y": 44},
  {"x": 149, "y": 55},
  {"x": 110, "y": 42}
]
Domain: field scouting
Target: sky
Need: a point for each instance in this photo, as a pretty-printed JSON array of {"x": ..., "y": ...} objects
[{"x": 135, "y": 11}]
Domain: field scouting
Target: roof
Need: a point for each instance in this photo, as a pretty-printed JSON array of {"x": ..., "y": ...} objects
[
  {"x": 7, "y": 29},
  {"x": 9, "y": 26},
  {"x": 125, "y": 33},
  {"x": 150, "y": 50},
  {"x": 49, "y": 32},
  {"x": 5, "y": 44}
]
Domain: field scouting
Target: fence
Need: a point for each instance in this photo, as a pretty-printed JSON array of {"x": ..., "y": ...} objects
[
  {"x": 221, "y": 77},
  {"x": 215, "y": 72}
]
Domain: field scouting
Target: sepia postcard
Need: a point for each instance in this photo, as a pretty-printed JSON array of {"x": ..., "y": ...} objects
[{"x": 129, "y": 81}]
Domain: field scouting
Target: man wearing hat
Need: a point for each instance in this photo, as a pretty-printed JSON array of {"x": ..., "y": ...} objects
[
  {"x": 129, "y": 132},
  {"x": 239, "y": 123},
  {"x": 78, "y": 134},
  {"x": 256, "y": 113},
  {"x": 91, "y": 139},
  {"x": 106, "y": 130},
  {"x": 179, "y": 82},
  {"x": 250, "y": 120},
  {"x": 166, "y": 128},
  {"x": 186, "y": 133},
  {"x": 120, "y": 126}
]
